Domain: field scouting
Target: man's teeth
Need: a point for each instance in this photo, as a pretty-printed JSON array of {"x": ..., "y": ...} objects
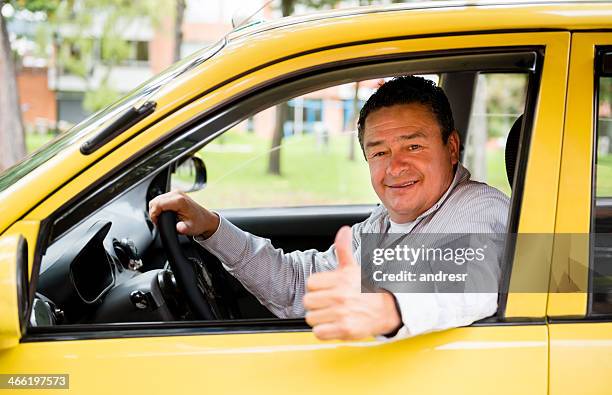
[{"x": 407, "y": 184}]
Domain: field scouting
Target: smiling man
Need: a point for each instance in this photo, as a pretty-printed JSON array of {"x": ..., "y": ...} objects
[{"x": 407, "y": 134}]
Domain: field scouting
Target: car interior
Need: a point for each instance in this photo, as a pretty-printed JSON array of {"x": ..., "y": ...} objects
[{"x": 103, "y": 261}]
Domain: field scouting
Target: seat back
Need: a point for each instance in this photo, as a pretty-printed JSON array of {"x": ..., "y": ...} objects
[{"x": 512, "y": 147}]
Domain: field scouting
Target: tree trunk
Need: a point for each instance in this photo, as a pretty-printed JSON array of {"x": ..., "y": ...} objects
[
  {"x": 354, "y": 120},
  {"x": 274, "y": 167},
  {"x": 12, "y": 142},
  {"x": 178, "y": 28},
  {"x": 282, "y": 112}
]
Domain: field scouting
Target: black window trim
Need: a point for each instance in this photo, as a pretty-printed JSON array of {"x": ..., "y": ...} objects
[
  {"x": 193, "y": 135},
  {"x": 598, "y": 73}
]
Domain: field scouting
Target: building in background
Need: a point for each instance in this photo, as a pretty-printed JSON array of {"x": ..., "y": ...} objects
[{"x": 52, "y": 97}]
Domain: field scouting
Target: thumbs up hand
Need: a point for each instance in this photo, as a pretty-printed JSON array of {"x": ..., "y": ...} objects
[{"x": 336, "y": 308}]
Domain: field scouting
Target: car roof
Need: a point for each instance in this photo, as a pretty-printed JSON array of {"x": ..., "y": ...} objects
[{"x": 259, "y": 26}]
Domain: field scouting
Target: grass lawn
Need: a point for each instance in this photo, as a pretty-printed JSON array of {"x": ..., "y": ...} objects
[
  {"x": 36, "y": 140},
  {"x": 496, "y": 170},
  {"x": 604, "y": 175},
  {"x": 311, "y": 173}
]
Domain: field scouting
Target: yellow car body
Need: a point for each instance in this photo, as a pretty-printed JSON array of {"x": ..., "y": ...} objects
[{"x": 544, "y": 344}]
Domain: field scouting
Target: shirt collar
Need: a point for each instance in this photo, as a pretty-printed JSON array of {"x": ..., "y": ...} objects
[{"x": 461, "y": 175}]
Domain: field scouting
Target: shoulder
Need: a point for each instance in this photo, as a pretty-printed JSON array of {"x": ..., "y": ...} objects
[
  {"x": 375, "y": 223},
  {"x": 477, "y": 207},
  {"x": 479, "y": 193}
]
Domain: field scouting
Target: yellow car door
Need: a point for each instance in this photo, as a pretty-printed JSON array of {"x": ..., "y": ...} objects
[
  {"x": 580, "y": 305},
  {"x": 506, "y": 354}
]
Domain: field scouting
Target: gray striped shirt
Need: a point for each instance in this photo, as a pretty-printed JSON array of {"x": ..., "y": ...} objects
[{"x": 278, "y": 279}]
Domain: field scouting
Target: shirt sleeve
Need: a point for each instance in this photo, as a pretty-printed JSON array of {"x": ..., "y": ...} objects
[
  {"x": 429, "y": 312},
  {"x": 277, "y": 279}
]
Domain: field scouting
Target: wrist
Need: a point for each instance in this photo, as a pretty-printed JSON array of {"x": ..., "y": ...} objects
[
  {"x": 392, "y": 321},
  {"x": 212, "y": 220}
]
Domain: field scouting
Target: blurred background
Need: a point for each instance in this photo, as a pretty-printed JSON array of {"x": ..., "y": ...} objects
[
  {"x": 62, "y": 60},
  {"x": 66, "y": 59}
]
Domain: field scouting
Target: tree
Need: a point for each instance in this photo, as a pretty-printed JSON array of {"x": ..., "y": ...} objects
[
  {"x": 78, "y": 45},
  {"x": 12, "y": 139},
  {"x": 12, "y": 142},
  {"x": 354, "y": 120},
  {"x": 282, "y": 110},
  {"x": 179, "y": 14}
]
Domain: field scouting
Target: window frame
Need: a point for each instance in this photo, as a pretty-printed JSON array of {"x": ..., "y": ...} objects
[
  {"x": 599, "y": 73},
  {"x": 192, "y": 136}
]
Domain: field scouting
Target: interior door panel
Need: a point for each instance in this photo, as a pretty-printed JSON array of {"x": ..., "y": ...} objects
[{"x": 298, "y": 228}]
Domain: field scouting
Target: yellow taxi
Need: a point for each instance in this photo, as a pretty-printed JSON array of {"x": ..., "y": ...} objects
[{"x": 89, "y": 301}]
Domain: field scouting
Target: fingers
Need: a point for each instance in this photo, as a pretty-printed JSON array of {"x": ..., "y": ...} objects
[
  {"x": 330, "y": 331},
  {"x": 344, "y": 247},
  {"x": 322, "y": 280},
  {"x": 321, "y": 316},
  {"x": 322, "y": 299},
  {"x": 182, "y": 228},
  {"x": 171, "y": 201}
]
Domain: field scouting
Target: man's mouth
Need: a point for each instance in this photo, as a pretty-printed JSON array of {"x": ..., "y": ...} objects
[{"x": 403, "y": 184}]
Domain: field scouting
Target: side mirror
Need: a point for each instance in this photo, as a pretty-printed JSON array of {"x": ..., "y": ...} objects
[
  {"x": 13, "y": 289},
  {"x": 189, "y": 175}
]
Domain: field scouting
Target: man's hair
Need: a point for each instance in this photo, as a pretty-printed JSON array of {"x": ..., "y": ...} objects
[{"x": 407, "y": 90}]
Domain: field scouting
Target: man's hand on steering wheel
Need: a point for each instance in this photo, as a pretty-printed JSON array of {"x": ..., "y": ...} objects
[
  {"x": 174, "y": 213},
  {"x": 193, "y": 219}
]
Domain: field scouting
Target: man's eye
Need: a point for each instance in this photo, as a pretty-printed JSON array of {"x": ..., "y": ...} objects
[
  {"x": 413, "y": 147},
  {"x": 377, "y": 154}
]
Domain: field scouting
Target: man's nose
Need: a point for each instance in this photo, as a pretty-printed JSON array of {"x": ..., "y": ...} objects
[{"x": 398, "y": 163}]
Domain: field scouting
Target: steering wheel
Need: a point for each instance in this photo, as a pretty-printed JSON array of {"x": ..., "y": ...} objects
[{"x": 185, "y": 272}]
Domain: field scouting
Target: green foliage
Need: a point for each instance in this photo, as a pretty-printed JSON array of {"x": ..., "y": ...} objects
[
  {"x": 505, "y": 101},
  {"x": 103, "y": 96},
  {"x": 80, "y": 41},
  {"x": 46, "y": 6}
]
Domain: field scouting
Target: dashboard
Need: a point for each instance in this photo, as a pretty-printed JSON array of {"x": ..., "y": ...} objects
[{"x": 108, "y": 268}]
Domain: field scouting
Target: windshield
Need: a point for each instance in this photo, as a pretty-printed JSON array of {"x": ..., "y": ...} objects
[{"x": 42, "y": 155}]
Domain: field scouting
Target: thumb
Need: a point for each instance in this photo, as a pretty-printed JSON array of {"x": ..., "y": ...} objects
[
  {"x": 182, "y": 227},
  {"x": 344, "y": 248}
]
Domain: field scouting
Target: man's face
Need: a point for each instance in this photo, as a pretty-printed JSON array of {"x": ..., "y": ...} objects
[{"x": 410, "y": 165}]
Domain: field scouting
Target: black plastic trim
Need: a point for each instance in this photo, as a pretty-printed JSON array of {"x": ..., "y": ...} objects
[
  {"x": 44, "y": 232},
  {"x": 604, "y": 62},
  {"x": 580, "y": 319},
  {"x": 599, "y": 71},
  {"x": 22, "y": 283},
  {"x": 125, "y": 121},
  {"x": 164, "y": 329}
]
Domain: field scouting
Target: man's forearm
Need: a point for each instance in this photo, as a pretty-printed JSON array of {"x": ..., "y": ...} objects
[{"x": 276, "y": 278}]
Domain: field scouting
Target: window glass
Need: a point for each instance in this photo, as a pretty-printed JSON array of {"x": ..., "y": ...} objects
[
  {"x": 601, "y": 285},
  {"x": 302, "y": 152},
  {"x": 498, "y": 101}
]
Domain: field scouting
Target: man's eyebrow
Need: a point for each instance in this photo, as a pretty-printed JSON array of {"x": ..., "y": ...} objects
[
  {"x": 409, "y": 136},
  {"x": 412, "y": 136}
]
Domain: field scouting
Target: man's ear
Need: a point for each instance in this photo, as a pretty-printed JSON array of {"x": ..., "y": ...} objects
[{"x": 453, "y": 144}]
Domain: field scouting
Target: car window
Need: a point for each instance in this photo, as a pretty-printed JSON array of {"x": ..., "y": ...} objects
[
  {"x": 308, "y": 125},
  {"x": 601, "y": 280},
  {"x": 305, "y": 151},
  {"x": 499, "y": 100},
  {"x": 300, "y": 152}
]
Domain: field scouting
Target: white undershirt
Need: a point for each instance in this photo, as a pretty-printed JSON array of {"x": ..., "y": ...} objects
[{"x": 401, "y": 228}]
